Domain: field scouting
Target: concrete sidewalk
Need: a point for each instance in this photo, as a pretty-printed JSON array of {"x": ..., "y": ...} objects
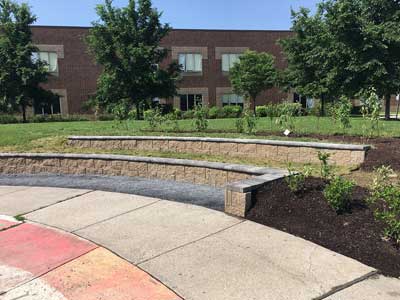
[{"x": 201, "y": 253}]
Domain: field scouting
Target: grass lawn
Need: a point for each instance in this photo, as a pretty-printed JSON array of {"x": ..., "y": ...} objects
[{"x": 26, "y": 137}]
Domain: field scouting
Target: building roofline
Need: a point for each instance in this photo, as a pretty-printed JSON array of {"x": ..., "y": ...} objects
[{"x": 173, "y": 29}]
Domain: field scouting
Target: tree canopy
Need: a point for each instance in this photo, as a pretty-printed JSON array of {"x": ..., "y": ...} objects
[
  {"x": 126, "y": 42},
  {"x": 20, "y": 74},
  {"x": 254, "y": 73},
  {"x": 345, "y": 48}
]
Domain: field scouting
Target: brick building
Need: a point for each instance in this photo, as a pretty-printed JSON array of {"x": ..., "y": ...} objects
[{"x": 205, "y": 54}]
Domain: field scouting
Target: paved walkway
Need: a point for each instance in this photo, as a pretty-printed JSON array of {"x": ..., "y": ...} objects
[
  {"x": 196, "y": 252},
  {"x": 202, "y": 195}
]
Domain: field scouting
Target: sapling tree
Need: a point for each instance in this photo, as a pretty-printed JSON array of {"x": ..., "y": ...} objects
[{"x": 254, "y": 73}]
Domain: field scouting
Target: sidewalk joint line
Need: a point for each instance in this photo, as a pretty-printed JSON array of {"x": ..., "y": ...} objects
[
  {"x": 58, "y": 202},
  {"x": 347, "y": 285},
  {"x": 192, "y": 242},
  {"x": 116, "y": 216}
]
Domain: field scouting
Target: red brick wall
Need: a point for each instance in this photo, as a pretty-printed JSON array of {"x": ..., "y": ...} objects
[{"x": 78, "y": 73}]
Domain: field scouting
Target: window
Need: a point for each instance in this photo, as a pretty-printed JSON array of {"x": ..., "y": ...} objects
[
  {"x": 50, "y": 58},
  {"x": 232, "y": 99},
  {"x": 53, "y": 108},
  {"x": 191, "y": 62},
  {"x": 188, "y": 102},
  {"x": 228, "y": 60}
]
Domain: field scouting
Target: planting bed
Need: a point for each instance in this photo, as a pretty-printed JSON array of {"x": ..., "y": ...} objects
[{"x": 308, "y": 215}]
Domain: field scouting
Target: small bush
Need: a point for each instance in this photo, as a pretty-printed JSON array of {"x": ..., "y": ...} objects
[
  {"x": 387, "y": 195},
  {"x": 200, "y": 121},
  {"x": 250, "y": 122},
  {"x": 189, "y": 114},
  {"x": 232, "y": 111},
  {"x": 342, "y": 112},
  {"x": 108, "y": 117},
  {"x": 326, "y": 169},
  {"x": 296, "y": 180},
  {"x": 239, "y": 125},
  {"x": 215, "y": 113},
  {"x": 153, "y": 117},
  {"x": 8, "y": 119},
  {"x": 338, "y": 193},
  {"x": 262, "y": 111},
  {"x": 57, "y": 118}
]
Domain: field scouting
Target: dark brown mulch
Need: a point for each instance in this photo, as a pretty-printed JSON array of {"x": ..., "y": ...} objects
[{"x": 308, "y": 215}]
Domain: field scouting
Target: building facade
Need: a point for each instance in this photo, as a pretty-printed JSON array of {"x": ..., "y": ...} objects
[{"x": 206, "y": 56}]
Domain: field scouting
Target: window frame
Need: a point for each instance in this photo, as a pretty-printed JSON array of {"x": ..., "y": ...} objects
[
  {"x": 39, "y": 55},
  {"x": 230, "y": 63},
  {"x": 238, "y": 102},
  {"x": 184, "y": 62},
  {"x": 196, "y": 101}
]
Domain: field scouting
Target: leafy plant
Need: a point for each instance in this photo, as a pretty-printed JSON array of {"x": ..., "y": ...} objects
[
  {"x": 371, "y": 107},
  {"x": 341, "y": 113},
  {"x": 287, "y": 112},
  {"x": 154, "y": 118},
  {"x": 172, "y": 119},
  {"x": 387, "y": 195},
  {"x": 200, "y": 121},
  {"x": 239, "y": 123},
  {"x": 231, "y": 111},
  {"x": 326, "y": 169},
  {"x": 338, "y": 193},
  {"x": 296, "y": 180},
  {"x": 214, "y": 112},
  {"x": 250, "y": 121}
]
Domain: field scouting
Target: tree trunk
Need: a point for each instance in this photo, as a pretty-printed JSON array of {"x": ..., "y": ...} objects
[
  {"x": 322, "y": 112},
  {"x": 253, "y": 99},
  {"x": 24, "y": 114},
  {"x": 137, "y": 111},
  {"x": 387, "y": 107}
]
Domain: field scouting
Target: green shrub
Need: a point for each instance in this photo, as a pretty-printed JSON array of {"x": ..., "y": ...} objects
[
  {"x": 250, "y": 121},
  {"x": 239, "y": 123},
  {"x": 286, "y": 113},
  {"x": 342, "y": 112},
  {"x": 387, "y": 195},
  {"x": 338, "y": 193},
  {"x": 262, "y": 111},
  {"x": 232, "y": 111},
  {"x": 215, "y": 113},
  {"x": 370, "y": 110},
  {"x": 326, "y": 169},
  {"x": 108, "y": 117},
  {"x": 296, "y": 180},
  {"x": 172, "y": 119},
  {"x": 200, "y": 121},
  {"x": 57, "y": 118},
  {"x": 153, "y": 117},
  {"x": 8, "y": 119},
  {"x": 189, "y": 114}
]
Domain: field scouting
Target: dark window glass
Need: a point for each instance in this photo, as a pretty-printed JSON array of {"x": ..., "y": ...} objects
[
  {"x": 53, "y": 108},
  {"x": 191, "y": 102},
  {"x": 184, "y": 106}
]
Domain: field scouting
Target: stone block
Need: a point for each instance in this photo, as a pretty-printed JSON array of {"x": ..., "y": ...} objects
[
  {"x": 145, "y": 145},
  {"x": 229, "y": 149},
  {"x": 217, "y": 178},
  {"x": 160, "y": 145},
  {"x": 237, "y": 204},
  {"x": 128, "y": 145},
  {"x": 212, "y": 148},
  {"x": 248, "y": 150}
]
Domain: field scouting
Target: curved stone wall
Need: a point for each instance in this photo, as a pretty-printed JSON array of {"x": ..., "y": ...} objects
[{"x": 271, "y": 150}]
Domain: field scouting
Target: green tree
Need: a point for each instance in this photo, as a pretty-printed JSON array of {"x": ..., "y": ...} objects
[
  {"x": 347, "y": 47},
  {"x": 126, "y": 42},
  {"x": 307, "y": 51},
  {"x": 20, "y": 74},
  {"x": 253, "y": 73}
]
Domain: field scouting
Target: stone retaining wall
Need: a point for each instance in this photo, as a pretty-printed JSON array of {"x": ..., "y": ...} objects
[
  {"x": 271, "y": 150},
  {"x": 240, "y": 181}
]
